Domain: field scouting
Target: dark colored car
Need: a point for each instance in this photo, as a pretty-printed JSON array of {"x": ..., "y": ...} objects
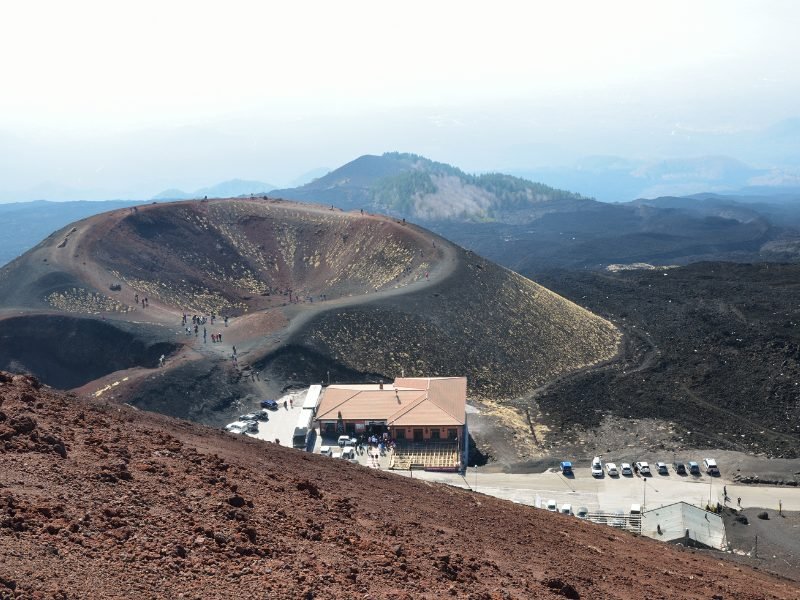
[
  {"x": 679, "y": 468},
  {"x": 270, "y": 404}
]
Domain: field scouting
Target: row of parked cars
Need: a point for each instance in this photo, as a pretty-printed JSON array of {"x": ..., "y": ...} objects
[
  {"x": 249, "y": 423},
  {"x": 643, "y": 468},
  {"x": 566, "y": 509}
]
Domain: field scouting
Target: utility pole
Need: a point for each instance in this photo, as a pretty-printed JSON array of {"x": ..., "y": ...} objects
[
  {"x": 644, "y": 493},
  {"x": 710, "y": 481},
  {"x": 476, "y": 479}
]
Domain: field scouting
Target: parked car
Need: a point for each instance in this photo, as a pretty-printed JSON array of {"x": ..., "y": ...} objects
[
  {"x": 644, "y": 468},
  {"x": 566, "y": 468},
  {"x": 236, "y": 427},
  {"x": 270, "y": 404},
  {"x": 611, "y": 469},
  {"x": 636, "y": 511},
  {"x": 597, "y": 467},
  {"x": 679, "y": 468},
  {"x": 566, "y": 509},
  {"x": 626, "y": 470},
  {"x": 552, "y": 506},
  {"x": 251, "y": 426},
  {"x": 710, "y": 466},
  {"x": 582, "y": 513},
  {"x": 693, "y": 468},
  {"x": 662, "y": 468},
  {"x": 263, "y": 414},
  {"x": 348, "y": 452},
  {"x": 344, "y": 440},
  {"x": 326, "y": 451},
  {"x": 248, "y": 417}
]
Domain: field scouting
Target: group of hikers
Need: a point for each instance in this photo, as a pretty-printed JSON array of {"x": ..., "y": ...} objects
[{"x": 197, "y": 321}]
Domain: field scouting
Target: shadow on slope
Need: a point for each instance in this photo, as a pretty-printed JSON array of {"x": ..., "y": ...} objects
[{"x": 67, "y": 352}]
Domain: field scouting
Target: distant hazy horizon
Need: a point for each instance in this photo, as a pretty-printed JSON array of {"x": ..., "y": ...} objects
[{"x": 124, "y": 101}]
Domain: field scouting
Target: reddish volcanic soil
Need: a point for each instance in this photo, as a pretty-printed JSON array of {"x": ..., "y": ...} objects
[{"x": 100, "y": 501}]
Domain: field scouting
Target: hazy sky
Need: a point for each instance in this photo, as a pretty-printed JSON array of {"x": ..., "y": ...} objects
[{"x": 118, "y": 99}]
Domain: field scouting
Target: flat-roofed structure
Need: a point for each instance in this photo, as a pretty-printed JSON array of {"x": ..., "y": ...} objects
[
  {"x": 411, "y": 410},
  {"x": 682, "y": 523}
]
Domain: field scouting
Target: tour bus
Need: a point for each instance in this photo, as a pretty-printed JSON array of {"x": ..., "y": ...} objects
[{"x": 302, "y": 429}]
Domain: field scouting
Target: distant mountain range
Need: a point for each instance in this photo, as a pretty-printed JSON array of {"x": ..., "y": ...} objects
[
  {"x": 526, "y": 226},
  {"x": 226, "y": 189},
  {"x": 616, "y": 179}
]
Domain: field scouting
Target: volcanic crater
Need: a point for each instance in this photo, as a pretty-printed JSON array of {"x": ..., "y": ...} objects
[{"x": 309, "y": 292}]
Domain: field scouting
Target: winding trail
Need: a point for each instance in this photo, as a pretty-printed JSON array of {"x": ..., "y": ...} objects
[{"x": 255, "y": 334}]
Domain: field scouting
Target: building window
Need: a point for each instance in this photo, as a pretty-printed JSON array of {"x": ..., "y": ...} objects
[
  {"x": 418, "y": 435},
  {"x": 435, "y": 435},
  {"x": 452, "y": 434},
  {"x": 400, "y": 434}
]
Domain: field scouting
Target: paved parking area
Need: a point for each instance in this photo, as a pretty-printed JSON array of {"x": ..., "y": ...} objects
[
  {"x": 610, "y": 494},
  {"x": 282, "y": 421}
]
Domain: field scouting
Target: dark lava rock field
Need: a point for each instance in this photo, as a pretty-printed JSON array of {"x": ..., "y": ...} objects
[{"x": 713, "y": 348}]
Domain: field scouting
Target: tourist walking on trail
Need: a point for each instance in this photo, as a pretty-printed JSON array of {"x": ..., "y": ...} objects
[
  {"x": 204, "y": 335},
  {"x": 161, "y": 361},
  {"x": 234, "y": 350}
]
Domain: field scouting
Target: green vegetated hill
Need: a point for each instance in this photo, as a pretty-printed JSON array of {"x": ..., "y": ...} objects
[
  {"x": 418, "y": 188},
  {"x": 530, "y": 226}
]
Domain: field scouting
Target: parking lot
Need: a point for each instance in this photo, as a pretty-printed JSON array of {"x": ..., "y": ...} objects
[
  {"x": 608, "y": 494},
  {"x": 282, "y": 421}
]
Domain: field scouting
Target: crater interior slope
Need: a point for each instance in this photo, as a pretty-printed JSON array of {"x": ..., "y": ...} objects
[{"x": 307, "y": 290}]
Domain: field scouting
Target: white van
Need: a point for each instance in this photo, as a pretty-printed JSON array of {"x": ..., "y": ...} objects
[
  {"x": 566, "y": 509},
  {"x": 348, "y": 452},
  {"x": 710, "y": 466},
  {"x": 636, "y": 510},
  {"x": 597, "y": 467}
]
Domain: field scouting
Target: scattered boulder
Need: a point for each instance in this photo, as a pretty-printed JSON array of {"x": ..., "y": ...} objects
[
  {"x": 22, "y": 424},
  {"x": 310, "y": 487},
  {"x": 236, "y": 501},
  {"x": 562, "y": 588}
]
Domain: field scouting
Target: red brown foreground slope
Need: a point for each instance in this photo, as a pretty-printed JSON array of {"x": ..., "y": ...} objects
[{"x": 99, "y": 500}]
